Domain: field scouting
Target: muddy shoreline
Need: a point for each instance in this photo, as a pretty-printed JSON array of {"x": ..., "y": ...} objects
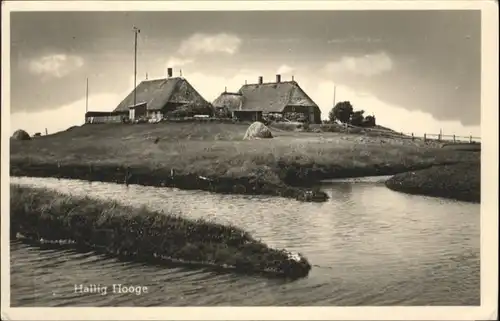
[{"x": 297, "y": 180}]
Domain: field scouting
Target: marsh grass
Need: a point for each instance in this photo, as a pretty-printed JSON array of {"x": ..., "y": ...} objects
[
  {"x": 140, "y": 233},
  {"x": 218, "y": 151},
  {"x": 456, "y": 181}
]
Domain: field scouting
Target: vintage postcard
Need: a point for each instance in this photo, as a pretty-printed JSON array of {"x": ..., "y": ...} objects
[{"x": 249, "y": 160}]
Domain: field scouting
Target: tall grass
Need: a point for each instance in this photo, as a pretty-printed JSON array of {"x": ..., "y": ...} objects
[
  {"x": 143, "y": 234},
  {"x": 217, "y": 150},
  {"x": 456, "y": 181}
]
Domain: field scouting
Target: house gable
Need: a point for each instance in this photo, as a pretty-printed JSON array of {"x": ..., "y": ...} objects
[
  {"x": 298, "y": 97},
  {"x": 155, "y": 93},
  {"x": 185, "y": 93}
]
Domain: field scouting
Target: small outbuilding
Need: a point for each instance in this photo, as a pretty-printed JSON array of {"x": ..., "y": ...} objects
[{"x": 105, "y": 117}]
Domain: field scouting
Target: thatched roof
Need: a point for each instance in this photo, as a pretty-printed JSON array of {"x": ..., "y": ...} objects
[
  {"x": 157, "y": 93},
  {"x": 231, "y": 101},
  {"x": 274, "y": 97}
]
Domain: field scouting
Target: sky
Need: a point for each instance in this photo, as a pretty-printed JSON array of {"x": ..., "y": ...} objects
[{"x": 416, "y": 71}]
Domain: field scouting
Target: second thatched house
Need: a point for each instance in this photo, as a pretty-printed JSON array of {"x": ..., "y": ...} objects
[
  {"x": 160, "y": 97},
  {"x": 283, "y": 99}
]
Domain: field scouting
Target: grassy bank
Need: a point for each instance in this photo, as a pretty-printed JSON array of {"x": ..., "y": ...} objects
[
  {"x": 458, "y": 181},
  {"x": 214, "y": 157},
  {"x": 144, "y": 235}
]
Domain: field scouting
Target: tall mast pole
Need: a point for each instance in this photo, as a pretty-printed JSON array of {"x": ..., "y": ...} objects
[
  {"x": 334, "y": 91},
  {"x": 87, "y": 97},
  {"x": 136, "y": 31}
]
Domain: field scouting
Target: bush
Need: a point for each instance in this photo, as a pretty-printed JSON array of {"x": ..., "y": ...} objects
[
  {"x": 342, "y": 111},
  {"x": 357, "y": 118},
  {"x": 369, "y": 121}
]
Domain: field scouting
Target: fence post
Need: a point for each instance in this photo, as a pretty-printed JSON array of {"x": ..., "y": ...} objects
[
  {"x": 425, "y": 137},
  {"x": 454, "y": 138},
  {"x": 412, "y": 137}
]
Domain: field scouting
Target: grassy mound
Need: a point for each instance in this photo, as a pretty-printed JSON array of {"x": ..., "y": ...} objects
[
  {"x": 216, "y": 151},
  {"x": 142, "y": 234},
  {"x": 456, "y": 181}
]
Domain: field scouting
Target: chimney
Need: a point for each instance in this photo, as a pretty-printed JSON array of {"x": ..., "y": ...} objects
[
  {"x": 169, "y": 72},
  {"x": 261, "y": 79},
  {"x": 278, "y": 79}
]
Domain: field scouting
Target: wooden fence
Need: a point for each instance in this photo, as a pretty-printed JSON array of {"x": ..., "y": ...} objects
[
  {"x": 426, "y": 136},
  {"x": 443, "y": 138}
]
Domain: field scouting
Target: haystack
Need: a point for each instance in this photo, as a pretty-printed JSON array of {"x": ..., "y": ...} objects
[
  {"x": 21, "y": 135},
  {"x": 258, "y": 130}
]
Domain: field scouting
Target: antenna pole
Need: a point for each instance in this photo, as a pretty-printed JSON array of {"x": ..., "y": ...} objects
[
  {"x": 334, "y": 92},
  {"x": 87, "y": 97},
  {"x": 136, "y": 31}
]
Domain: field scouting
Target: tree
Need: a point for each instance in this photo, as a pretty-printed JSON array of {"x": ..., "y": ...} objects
[
  {"x": 331, "y": 116},
  {"x": 343, "y": 111},
  {"x": 357, "y": 118},
  {"x": 369, "y": 121}
]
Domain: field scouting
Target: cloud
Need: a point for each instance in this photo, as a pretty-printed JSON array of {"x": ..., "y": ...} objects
[
  {"x": 58, "y": 65},
  {"x": 367, "y": 65},
  {"x": 211, "y": 86},
  {"x": 210, "y": 43},
  {"x": 284, "y": 69},
  {"x": 321, "y": 91},
  {"x": 63, "y": 117},
  {"x": 355, "y": 40},
  {"x": 389, "y": 115},
  {"x": 175, "y": 62}
]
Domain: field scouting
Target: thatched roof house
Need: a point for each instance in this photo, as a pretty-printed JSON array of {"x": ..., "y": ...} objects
[
  {"x": 228, "y": 100},
  {"x": 279, "y": 97},
  {"x": 161, "y": 96}
]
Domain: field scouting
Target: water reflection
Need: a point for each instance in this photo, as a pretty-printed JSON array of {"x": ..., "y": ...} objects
[{"x": 369, "y": 245}]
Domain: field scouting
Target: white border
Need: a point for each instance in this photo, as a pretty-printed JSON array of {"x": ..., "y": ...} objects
[{"x": 489, "y": 183}]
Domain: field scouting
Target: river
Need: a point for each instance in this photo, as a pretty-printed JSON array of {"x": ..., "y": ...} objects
[{"x": 368, "y": 245}]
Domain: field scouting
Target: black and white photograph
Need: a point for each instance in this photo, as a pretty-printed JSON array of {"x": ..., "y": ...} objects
[{"x": 249, "y": 155}]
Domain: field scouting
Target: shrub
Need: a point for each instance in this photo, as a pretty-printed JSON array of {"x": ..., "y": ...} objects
[
  {"x": 357, "y": 118},
  {"x": 342, "y": 111},
  {"x": 369, "y": 121}
]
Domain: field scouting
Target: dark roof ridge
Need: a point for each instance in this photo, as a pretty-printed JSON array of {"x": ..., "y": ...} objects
[
  {"x": 293, "y": 82},
  {"x": 230, "y": 93}
]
